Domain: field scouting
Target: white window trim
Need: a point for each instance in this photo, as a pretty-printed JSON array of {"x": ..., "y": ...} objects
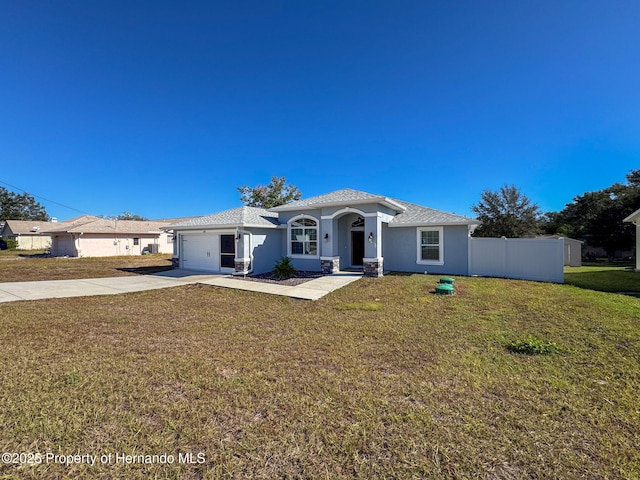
[
  {"x": 419, "y": 259},
  {"x": 298, "y": 217}
]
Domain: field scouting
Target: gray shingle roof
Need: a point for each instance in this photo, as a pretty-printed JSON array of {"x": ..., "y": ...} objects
[
  {"x": 236, "y": 217},
  {"x": 409, "y": 214},
  {"x": 346, "y": 196},
  {"x": 416, "y": 215}
]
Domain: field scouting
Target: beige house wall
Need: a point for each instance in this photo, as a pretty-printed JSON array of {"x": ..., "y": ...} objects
[
  {"x": 106, "y": 245},
  {"x": 33, "y": 242}
]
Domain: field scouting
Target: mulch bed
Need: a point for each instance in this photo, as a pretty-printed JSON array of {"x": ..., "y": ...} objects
[{"x": 299, "y": 279}]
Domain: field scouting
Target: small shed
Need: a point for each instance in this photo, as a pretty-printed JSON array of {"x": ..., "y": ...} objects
[{"x": 572, "y": 250}]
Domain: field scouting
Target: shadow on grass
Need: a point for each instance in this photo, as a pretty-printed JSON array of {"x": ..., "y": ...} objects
[
  {"x": 146, "y": 270},
  {"x": 605, "y": 279}
]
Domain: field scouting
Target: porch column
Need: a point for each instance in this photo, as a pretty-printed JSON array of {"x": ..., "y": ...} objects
[
  {"x": 242, "y": 258},
  {"x": 175, "y": 258},
  {"x": 329, "y": 261},
  {"x": 373, "y": 262}
]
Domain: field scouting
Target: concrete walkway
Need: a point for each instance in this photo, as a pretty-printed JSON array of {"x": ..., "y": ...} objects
[{"x": 311, "y": 290}]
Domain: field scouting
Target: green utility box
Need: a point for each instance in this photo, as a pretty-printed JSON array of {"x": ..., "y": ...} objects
[{"x": 444, "y": 289}]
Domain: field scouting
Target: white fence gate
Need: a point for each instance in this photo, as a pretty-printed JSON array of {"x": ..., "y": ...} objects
[{"x": 522, "y": 258}]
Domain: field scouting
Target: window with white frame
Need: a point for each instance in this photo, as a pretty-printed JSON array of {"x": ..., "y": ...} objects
[
  {"x": 430, "y": 246},
  {"x": 303, "y": 237}
]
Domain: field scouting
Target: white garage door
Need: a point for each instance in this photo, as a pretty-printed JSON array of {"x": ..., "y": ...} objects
[
  {"x": 199, "y": 252},
  {"x": 64, "y": 246},
  {"x": 208, "y": 252}
]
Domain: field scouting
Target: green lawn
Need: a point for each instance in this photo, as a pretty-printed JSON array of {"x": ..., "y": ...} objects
[
  {"x": 381, "y": 379},
  {"x": 607, "y": 278}
]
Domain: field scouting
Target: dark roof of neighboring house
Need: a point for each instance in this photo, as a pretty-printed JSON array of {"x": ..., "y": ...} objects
[{"x": 556, "y": 237}]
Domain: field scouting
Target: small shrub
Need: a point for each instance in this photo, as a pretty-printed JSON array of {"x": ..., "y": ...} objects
[
  {"x": 12, "y": 243},
  {"x": 283, "y": 269},
  {"x": 532, "y": 346}
]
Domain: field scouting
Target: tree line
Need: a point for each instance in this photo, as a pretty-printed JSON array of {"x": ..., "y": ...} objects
[
  {"x": 593, "y": 217},
  {"x": 23, "y": 206}
]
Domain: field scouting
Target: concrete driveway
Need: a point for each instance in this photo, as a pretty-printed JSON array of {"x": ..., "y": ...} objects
[
  {"x": 312, "y": 290},
  {"x": 10, "y": 292}
]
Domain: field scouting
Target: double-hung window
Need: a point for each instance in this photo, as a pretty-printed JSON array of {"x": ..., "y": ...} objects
[
  {"x": 303, "y": 237},
  {"x": 430, "y": 246}
]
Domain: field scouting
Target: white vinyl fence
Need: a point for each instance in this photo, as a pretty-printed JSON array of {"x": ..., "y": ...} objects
[{"x": 523, "y": 258}]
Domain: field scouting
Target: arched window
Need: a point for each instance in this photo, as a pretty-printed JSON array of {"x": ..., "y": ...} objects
[{"x": 303, "y": 237}]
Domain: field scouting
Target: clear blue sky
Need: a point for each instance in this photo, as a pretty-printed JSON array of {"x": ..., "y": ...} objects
[{"x": 163, "y": 108}]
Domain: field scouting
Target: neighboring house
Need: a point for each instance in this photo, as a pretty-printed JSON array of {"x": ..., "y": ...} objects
[
  {"x": 29, "y": 234},
  {"x": 635, "y": 219},
  {"x": 572, "y": 250},
  {"x": 89, "y": 236},
  {"x": 346, "y": 229}
]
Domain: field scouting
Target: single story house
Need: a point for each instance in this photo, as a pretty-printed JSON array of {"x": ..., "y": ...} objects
[
  {"x": 29, "y": 234},
  {"x": 635, "y": 219},
  {"x": 345, "y": 229},
  {"x": 90, "y": 236},
  {"x": 572, "y": 250}
]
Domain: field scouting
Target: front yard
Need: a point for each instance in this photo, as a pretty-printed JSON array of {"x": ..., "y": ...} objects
[
  {"x": 381, "y": 379},
  {"x": 20, "y": 266}
]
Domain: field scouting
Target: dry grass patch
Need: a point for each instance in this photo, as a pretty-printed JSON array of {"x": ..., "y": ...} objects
[
  {"x": 271, "y": 387},
  {"x": 23, "y": 269}
]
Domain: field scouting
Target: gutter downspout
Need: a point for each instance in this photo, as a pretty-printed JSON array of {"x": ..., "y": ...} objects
[{"x": 78, "y": 249}]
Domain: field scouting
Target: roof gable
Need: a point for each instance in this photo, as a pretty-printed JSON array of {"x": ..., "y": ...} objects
[
  {"x": 346, "y": 196},
  {"x": 634, "y": 217}
]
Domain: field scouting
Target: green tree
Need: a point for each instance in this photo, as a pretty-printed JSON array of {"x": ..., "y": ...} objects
[
  {"x": 130, "y": 216},
  {"x": 16, "y": 206},
  {"x": 633, "y": 178},
  {"x": 506, "y": 213},
  {"x": 596, "y": 217},
  {"x": 269, "y": 196}
]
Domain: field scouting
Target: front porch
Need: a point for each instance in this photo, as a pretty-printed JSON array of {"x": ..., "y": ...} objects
[{"x": 352, "y": 239}]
